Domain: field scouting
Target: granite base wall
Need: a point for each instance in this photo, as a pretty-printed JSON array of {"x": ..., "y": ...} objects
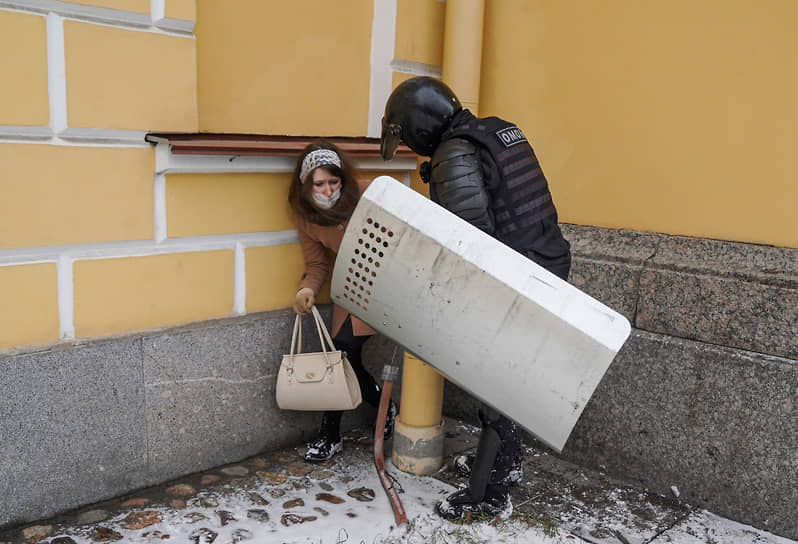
[
  {"x": 90, "y": 421},
  {"x": 704, "y": 395}
]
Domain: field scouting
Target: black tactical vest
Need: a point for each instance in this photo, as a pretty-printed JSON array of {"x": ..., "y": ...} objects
[{"x": 522, "y": 197}]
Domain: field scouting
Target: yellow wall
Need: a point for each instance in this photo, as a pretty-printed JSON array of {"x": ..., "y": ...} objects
[
  {"x": 72, "y": 193},
  {"x": 135, "y": 80},
  {"x": 23, "y": 70},
  {"x": 136, "y": 293},
  {"x": 199, "y": 204},
  {"x": 28, "y": 305},
  {"x": 272, "y": 275},
  {"x": 283, "y": 67},
  {"x": 673, "y": 117},
  {"x": 419, "y": 36},
  {"x": 181, "y": 9},
  {"x": 54, "y": 195}
]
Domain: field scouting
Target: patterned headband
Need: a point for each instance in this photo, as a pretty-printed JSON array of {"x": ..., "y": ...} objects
[{"x": 314, "y": 159}]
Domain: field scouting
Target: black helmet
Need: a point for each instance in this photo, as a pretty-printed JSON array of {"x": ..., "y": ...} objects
[{"x": 417, "y": 112}]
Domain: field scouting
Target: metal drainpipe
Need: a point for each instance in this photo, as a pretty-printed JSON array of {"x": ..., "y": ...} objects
[{"x": 418, "y": 434}]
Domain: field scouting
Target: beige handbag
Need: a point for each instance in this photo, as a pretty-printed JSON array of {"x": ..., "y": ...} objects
[{"x": 316, "y": 381}]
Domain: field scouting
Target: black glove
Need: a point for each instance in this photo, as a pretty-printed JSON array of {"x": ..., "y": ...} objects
[{"x": 425, "y": 171}]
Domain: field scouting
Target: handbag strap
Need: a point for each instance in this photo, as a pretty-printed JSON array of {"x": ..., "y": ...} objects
[
  {"x": 324, "y": 334},
  {"x": 296, "y": 334},
  {"x": 296, "y": 338}
]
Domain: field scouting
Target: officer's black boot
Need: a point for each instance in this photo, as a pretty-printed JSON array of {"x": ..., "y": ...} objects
[
  {"x": 329, "y": 441},
  {"x": 497, "y": 501},
  {"x": 472, "y": 499},
  {"x": 507, "y": 469}
]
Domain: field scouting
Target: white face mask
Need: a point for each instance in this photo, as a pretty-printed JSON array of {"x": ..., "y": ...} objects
[{"x": 326, "y": 202}]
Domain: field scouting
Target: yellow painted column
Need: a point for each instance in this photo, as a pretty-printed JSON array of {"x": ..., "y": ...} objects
[
  {"x": 418, "y": 435},
  {"x": 462, "y": 50}
]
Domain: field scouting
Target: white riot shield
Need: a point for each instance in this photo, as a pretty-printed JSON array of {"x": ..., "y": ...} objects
[{"x": 495, "y": 323}]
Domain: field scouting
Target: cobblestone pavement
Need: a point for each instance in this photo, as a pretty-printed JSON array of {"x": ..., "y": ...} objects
[{"x": 277, "y": 497}]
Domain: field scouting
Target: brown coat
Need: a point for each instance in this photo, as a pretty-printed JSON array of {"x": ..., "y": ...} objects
[{"x": 315, "y": 241}]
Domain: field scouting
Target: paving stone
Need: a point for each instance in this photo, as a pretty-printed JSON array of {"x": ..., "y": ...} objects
[
  {"x": 320, "y": 474},
  {"x": 272, "y": 477},
  {"x": 294, "y": 519},
  {"x": 259, "y": 462},
  {"x": 63, "y": 540},
  {"x": 181, "y": 490},
  {"x": 209, "y": 479},
  {"x": 136, "y": 502},
  {"x": 241, "y": 483},
  {"x": 236, "y": 470},
  {"x": 325, "y": 486},
  {"x": 203, "y": 536},
  {"x": 177, "y": 504},
  {"x": 36, "y": 533},
  {"x": 225, "y": 517},
  {"x": 257, "y": 499},
  {"x": 293, "y": 503},
  {"x": 300, "y": 470},
  {"x": 285, "y": 457},
  {"x": 194, "y": 517},
  {"x": 363, "y": 494},
  {"x": 327, "y": 497},
  {"x": 104, "y": 534},
  {"x": 208, "y": 501},
  {"x": 139, "y": 520},
  {"x": 92, "y": 516},
  {"x": 258, "y": 515},
  {"x": 277, "y": 493},
  {"x": 156, "y": 536},
  {"x": 321, "y": 511},
  {"x": 241, "y": 535}
]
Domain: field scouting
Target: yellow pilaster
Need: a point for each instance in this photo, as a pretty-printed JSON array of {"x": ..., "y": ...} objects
[
  {"x": 418, "y": 443},
  {"x": 462, "y": 50},
  {"x": 418, "y": 434},
  {"x": 422, "y": 403}
]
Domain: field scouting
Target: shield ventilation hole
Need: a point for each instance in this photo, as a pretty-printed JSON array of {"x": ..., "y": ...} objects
[{"x": 363, "y": 272}]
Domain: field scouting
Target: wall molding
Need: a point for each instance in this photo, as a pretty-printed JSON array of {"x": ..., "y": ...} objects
[
  {"x": 144, "y": 248},
  {"x": 383, "y": 36},
  {"x": 56, "y": 73},
  {"x": 72, "y": 137},
  {"x": 26, "y": 134},
  {"x": 416, "y": 68},
  {"x": 127, "y": 20}
]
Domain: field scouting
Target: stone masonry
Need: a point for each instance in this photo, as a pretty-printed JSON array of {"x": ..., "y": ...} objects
[{"x": 703, "y": 397}]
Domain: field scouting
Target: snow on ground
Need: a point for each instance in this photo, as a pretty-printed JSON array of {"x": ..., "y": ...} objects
[
  {"x": 344, "y": 503},
  {"x": 370, "y": 521}
]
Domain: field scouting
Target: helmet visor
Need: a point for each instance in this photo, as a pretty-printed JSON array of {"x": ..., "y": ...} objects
[{"x": 390, "y": 139}]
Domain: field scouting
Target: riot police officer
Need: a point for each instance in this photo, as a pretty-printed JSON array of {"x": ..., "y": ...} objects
[{"x": 485, "y": 171}]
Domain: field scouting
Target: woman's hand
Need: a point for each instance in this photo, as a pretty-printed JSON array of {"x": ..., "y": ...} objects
[{"x": 305, "y": 298}]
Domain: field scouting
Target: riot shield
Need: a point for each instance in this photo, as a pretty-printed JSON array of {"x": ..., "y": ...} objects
[{"x": 493, "y": 322}]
